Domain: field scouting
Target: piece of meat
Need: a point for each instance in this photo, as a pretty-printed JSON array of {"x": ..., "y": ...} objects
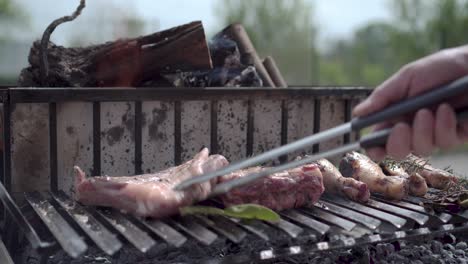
[
  {"x": 435, "y": 178},
  {"x": 417, "y": 184},
  {"x": 362, "y": 168},
  {"x": 335, "y": 183},
  {"x": 150, "y": 195},
  {"x": 294, "y": 188}
]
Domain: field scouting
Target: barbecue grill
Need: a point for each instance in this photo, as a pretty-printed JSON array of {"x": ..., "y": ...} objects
[{"x": 132, "y": 131}]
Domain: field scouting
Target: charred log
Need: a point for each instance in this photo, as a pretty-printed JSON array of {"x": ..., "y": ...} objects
[
  {"x": 126, "y": 62},
  {"x": 249, "y": 55}
]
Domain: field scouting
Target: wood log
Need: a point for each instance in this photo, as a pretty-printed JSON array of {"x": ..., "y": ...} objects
[
  {"x": 274, "y": 72},
  {"x": 249, "y": 55},
  {"x": 122, "y": 63}
]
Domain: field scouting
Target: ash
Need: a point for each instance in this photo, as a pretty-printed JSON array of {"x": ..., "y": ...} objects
[{"x": 228, "y": 70}]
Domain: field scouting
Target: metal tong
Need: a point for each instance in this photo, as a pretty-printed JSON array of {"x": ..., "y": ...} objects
[{"x": 379, "y": 138}]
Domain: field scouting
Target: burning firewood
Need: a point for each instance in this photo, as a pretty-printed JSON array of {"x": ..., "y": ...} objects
[{"x": 179, "y": 56}]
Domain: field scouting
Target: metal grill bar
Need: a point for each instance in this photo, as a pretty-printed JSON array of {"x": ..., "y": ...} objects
[
  {"x": 225, "y": 228},
  {"x": 71, "y": 242},
  {"x": 319, "y": 227},
  {"x": 5, "y": 257},
  {"x": 354, "y": 232},
  {"x": 434, "y": 219},
  {"x": 365, "y": 220},
  {"x": 138, "y": 138},
  {"x": 137, "y": 237},
  {"x": 197, "y": 231},
  {"x": 104, "y": 239},
  {"x": 330, "y": 218},
  {"x": 416, "y": 201},
  {"x": 256, "y": 227},
  {"x": 394, "y": 220},
  {"x": 419, "y": 218},
  {"x": 166, "y": 232},
  {"x": 53, "y": 146},
  {"x": 289, "y": 228}
]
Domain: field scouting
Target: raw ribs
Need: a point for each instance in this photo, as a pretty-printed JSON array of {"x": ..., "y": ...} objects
[{"x": 149, "y": 195}]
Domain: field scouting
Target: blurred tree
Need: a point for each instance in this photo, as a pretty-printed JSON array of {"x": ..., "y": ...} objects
[
  {"x": 7, "y": 9},
  {"x": 12, "y": 20},
  {"x": 114, "y": 22},
  {"x": 282, "y": 29},
  {"x": 364, "y": 59},
  {"x": 11, "y": 16},
  {"x": 378, "y": 49}
]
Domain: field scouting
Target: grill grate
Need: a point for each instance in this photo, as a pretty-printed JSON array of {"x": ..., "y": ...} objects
[
  {"x": 79, "y": 230},
  {"x": 333, "y": 223}
]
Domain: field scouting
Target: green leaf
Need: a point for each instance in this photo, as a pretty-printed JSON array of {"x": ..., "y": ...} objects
[
  {"x": 204, "y": 210},
  {"x": 243, "y": 211},
  {"x": 252, "y": 211}
]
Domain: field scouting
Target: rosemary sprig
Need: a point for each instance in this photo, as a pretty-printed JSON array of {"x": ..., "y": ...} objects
[{"x": 410, "y": 166}]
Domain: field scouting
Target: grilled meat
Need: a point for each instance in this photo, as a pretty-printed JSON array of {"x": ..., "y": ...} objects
[
  {"x": 417, "y": 184},
  {"x": 150, "y": 195},
  {"x": 337, "y": 184},
  {"x": 362, "y": 168},
  {"x": 435, "y": 178},
  {"x": 285, "y": 190}
]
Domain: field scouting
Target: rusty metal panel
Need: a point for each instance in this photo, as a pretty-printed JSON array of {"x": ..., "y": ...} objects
[
  {"x": 267, "y": 125},
  {"x": 232, "y": 129},
  {"x": 195, "y": 127},
  {"x": 158, "y": 135},
  {"x": 30, "y": 147},
  {"x": 300, "y": 122},
  {"x": 118, "y": 138},
  {"x": 74, "y": 142},
  {"x": 332, "y": 113}
]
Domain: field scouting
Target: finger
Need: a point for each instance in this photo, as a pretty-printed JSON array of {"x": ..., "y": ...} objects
[
  {"x": 399, "y": 141},
  {"x": 392, "y": 90},
  {"x": 446, "y": 135},
  {"x": 423, "y": 133},
  {"x": 415, "y": 78},
  {"x": 376, "y": 154}
]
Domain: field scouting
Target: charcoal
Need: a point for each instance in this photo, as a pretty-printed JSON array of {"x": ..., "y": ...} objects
[
  {"x": 218, "y": 77},
  {"x": 436, "y": 247},
  {"x": 228, "y": 70},
  {"x": 224, "y": 52},
  {"x": 461, "y": 245}
]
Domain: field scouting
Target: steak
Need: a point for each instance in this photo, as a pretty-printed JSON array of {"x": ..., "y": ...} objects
[
  {"x": 150, "y": 195},
  {"x": 297, "y": 187}
]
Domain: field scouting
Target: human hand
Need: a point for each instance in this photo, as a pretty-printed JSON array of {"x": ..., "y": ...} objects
[{"x": 427, "y": 129}]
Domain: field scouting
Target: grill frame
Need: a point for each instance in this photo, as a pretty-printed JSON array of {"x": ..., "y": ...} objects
[{"x": 295, "y": 219}]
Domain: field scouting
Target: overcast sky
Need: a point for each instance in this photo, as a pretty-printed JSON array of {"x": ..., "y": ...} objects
[{"x": 336, "y": 18}]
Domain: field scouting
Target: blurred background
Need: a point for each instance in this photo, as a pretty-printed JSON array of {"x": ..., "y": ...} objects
[{"x": 332, "y": 42}]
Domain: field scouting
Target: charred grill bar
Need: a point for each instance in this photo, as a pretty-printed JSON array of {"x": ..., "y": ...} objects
[{"x": 57, "y": 223}]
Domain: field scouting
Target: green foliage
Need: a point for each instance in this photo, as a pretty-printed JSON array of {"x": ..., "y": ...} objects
[
  {"x": 11, "y": 12},
  {"x": 285, "y": 30},
  {"x": 7, "y": 9}
]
